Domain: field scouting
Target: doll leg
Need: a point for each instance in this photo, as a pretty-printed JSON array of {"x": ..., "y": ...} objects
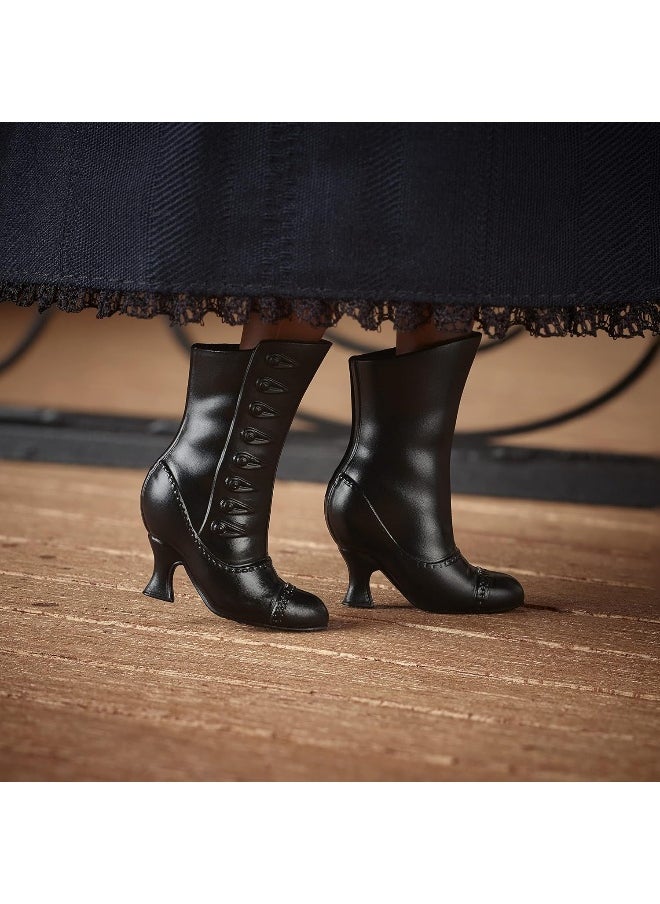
[
  {"x": 257, "y": 330},
  {"x": 426, "y": 335}
]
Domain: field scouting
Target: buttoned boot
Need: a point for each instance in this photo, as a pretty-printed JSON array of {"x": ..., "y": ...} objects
[{"x": 206, "y": 502}]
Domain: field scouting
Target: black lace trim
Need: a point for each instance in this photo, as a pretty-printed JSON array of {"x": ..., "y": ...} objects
[{"x": 617, "y": 320}]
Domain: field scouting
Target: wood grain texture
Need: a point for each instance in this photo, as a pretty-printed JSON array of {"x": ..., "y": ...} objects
[{"x": 99, "y": 682}]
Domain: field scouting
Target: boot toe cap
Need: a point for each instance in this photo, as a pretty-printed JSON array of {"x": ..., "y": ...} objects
[
  {"x": 297, "y": 610},
  {"x": 505, "y": 592}
]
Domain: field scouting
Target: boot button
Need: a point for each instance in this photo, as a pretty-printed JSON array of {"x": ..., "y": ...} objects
[
  {"x": 226, "y": 530},
  {"x": 238, "y": 485},
  {"x": 234, "y": 506},
  {"x": 266, "y": 384},
  {"x": 254, "y": 437},
  {"x": 279, "y": 361},
  {"x": 260, "y": 409},
  {"x": 245, "y": 460}
]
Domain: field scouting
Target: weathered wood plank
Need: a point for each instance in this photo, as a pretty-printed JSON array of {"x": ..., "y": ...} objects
[{"x": 99, "y": 682}]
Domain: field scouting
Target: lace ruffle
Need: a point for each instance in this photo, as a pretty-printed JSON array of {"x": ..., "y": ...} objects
[{"x": 494, "y": 319}]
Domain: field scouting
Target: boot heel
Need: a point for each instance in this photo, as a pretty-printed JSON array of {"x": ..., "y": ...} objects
[
  {"x": 360, "y": 569},
  {"x": 165, "y": 561}
]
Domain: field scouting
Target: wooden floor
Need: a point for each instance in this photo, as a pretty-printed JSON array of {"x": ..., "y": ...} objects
[{"x": 99, "y": 682}]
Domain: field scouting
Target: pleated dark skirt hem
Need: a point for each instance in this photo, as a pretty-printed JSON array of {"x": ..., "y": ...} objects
[{"x": 549, "y": 316}]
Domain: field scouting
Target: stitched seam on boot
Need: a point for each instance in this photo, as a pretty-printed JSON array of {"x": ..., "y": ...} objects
[
  {"x": 482, "y": 586},
  {"x": 354, "y": 443},
  {"x": 449, "y": 559},
  {"x": 235, "y": 569}
]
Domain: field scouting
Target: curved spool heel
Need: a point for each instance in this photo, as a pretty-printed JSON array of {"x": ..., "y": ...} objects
[
  {"x": 165, "y": 561},
  {"x": 360, "y": 569}
]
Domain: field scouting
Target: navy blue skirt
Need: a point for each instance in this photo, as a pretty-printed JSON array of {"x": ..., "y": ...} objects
[{"x": 552, "y": 226}]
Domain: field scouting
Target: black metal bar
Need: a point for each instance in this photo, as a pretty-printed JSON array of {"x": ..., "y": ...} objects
[
  {"x": 528, "y": 426},
  {"x": 34, "y": 330},
  {"x": 477, "y": 468},
  {"x": 584, "y": 408}
]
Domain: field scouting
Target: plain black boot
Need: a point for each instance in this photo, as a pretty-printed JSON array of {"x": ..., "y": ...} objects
[
  {"x": 388, "y": 505},
  {"x": 206, "y": 502}
]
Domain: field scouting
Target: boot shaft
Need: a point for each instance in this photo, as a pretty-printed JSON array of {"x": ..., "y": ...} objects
[
  {"x": 239, "y": 408},
  {"x": 406, "y": 401},
  {"x": 214, "y": 381},
  {"x": 404, "y": 416}
]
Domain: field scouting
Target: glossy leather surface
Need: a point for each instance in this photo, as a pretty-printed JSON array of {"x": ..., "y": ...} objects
[
  {"x": 214, "y": 381},
  {"x": 388, "y": 505},
  {"x": 206, "y": 502}
]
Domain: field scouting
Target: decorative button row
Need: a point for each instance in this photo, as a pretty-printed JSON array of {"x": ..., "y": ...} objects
[{"x": 254, "y": 437}]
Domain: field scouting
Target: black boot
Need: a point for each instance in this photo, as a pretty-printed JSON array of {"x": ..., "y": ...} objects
[
  {"x": 206, "y": 502},
  {"x": 388, "y": 505}
]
